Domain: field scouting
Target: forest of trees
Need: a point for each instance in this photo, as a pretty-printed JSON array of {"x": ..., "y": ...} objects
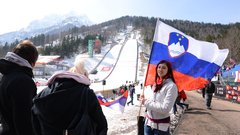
[
  {"x": 226, "y": 36},
  {"x": 67, "y": 47}
]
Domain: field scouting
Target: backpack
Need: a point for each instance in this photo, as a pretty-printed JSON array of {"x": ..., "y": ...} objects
[{"x": 84, "y": 125}]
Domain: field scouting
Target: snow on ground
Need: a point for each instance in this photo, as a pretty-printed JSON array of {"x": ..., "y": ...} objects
[
  {"x": 125, "y": 123},
  {"x": 124, "y": 69}
]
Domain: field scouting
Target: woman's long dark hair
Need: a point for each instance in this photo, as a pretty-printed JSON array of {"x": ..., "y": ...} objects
[{"x": 168, "y": 75}]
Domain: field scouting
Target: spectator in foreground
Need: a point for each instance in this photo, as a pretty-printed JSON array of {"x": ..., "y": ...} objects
[
  {"x": 17, "y": 89},
  {"x": 58, "y": 105}
]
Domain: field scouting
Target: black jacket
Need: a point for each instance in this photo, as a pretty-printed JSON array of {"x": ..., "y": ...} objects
[
  {"x": 209, "y": 89},
  {"x": 17, "y": 90},
  {"x": 132, "y": 91},
  {"x": 55, "y": 107}
]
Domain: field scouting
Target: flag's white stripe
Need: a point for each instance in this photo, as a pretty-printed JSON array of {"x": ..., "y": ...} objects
[
  {"x": 117, "y": 107},
  {"x": 196, "y": 47}
]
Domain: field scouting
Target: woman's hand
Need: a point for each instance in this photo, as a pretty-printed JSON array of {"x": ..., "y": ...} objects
[{"x": 142, "y": 99}]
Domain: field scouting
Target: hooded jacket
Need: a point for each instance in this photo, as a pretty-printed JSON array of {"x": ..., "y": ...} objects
[
  {"x": 55, "y": 106},
  {"x": 17, "y": 90}
]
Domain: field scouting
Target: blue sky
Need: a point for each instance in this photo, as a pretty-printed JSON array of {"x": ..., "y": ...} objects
[{"x": 17, "y": 14}]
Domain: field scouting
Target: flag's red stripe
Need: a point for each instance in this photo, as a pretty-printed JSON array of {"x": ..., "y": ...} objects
[
  {"x": 184, "y": 82},
  {"x": 125, "y": 95},
  {"x": 150, "y": 75}
]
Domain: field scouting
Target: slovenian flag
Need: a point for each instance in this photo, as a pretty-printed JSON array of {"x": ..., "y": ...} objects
[
  {"x": 193, "y": 61},
  {"x": 118, "y": 104}
]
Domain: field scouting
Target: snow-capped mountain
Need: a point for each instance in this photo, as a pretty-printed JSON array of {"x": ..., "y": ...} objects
[{"x": 49, "y": 24}]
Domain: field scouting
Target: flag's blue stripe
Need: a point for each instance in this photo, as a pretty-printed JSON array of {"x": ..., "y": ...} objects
[
  {"x": 187, "y": 64},
  {"x": 102, "y": 98}
]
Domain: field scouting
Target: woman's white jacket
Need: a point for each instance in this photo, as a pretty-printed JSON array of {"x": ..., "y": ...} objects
[{"x": 160, "y": 104}]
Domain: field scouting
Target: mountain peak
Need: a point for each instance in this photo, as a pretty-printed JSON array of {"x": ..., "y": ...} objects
[
  {"x": 54, "y": 19},
  {"x": 47, "y": 24}
]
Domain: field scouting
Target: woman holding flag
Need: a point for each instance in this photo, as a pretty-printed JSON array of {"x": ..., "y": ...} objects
[{"x": 161, "y": 101}]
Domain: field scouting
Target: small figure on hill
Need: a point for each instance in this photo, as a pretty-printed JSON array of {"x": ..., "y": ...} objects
[{"x": 132, "y": 92}]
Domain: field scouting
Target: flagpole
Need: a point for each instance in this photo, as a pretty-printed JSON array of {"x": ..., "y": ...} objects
[
  {"x": 156, "y": 27},
  {"x": 139, "y": 112},
  {"x": 140, "y": 119}
]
